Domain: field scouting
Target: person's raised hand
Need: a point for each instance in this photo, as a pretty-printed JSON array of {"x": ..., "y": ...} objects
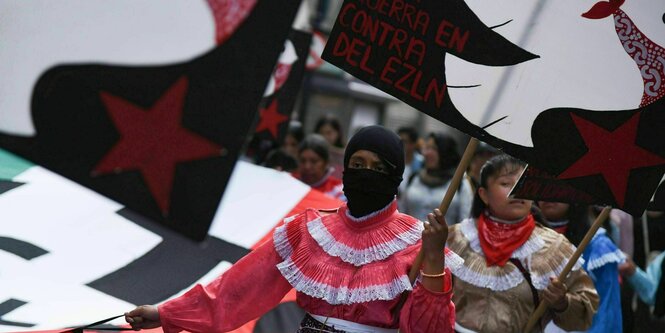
[
  {"x": 143, "y": 317},
  {"x": 627, "y": 268},
  {"x": 435, "y": 235}
]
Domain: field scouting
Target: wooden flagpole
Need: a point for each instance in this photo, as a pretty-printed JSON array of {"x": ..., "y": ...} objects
[
  {"x": 448, "y": 197},
  {"x": 535, "y": 316}
]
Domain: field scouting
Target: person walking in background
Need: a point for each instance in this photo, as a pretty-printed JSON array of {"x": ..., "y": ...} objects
[
  {"x": 314, "y": 168},
  {"x": 483, "y": 153},
  {"x": 426, "y": 189},
  {"x": 279, "y": 160},
  {"x": 413, "y": 160},
  {"x": 601, "y": 261},
  {"x": 330, "y": 128},
  {"x": 649, "y": 285},
  {"x": 294, "y": 136}
]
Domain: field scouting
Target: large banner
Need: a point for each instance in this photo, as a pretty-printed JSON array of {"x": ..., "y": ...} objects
[
  {"x": 573, "y": 87},
  {"x": 70, "y": 257},
  {"x": 160, "y": 137}
]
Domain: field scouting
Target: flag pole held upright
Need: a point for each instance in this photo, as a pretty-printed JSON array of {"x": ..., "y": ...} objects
[
  {"x": 448, "y": 197},
  {"x": 535, "y": 316}
]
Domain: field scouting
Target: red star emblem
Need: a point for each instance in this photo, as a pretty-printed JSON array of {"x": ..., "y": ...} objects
[
  {"x": 612, "y": 154},
  {"x": 153, "y": 141},
  {"x": 270, "y": 119}
]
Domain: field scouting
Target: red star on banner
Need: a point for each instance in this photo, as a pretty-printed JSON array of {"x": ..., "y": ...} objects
[
  {"x": 612, "y": 154},
  {"x": 153, "y": 141},
  {"x": 270, "y": 119}
]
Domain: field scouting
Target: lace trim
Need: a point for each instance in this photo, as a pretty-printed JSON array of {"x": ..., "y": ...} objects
[
  {"x": 494, "y": 282},
  {"x": 281, "y": 241},
  {"x": 453, "y": 260},
  {"x": 341, "y": 295},
  {"x": 475, "y": 270},
  {"x": 502, "y": 282},
  {"x": 531, "y": 246},
  {"x": 541, "y": 281},
  {"x": 602, "y": 251},
  {"x": 610, "y": 257},
  {"x": 359, "y": 257}
]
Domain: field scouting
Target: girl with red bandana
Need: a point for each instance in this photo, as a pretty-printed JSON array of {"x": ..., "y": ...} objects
[{"x": 511, "y": 262}]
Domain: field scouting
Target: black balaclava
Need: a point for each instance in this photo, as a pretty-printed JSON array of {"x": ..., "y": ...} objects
[{"x": 367, "y": 190}]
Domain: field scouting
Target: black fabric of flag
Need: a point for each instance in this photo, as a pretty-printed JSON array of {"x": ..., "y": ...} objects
[
  {"x": 90, "y": 123},
  {"x": 276, "y": 108},
  {"x": 616, "y": 156}
]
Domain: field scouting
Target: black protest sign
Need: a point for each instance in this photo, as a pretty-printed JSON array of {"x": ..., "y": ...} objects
[
  {"x": 615, "y": 154},
  {"x": 399, "y": 47}
]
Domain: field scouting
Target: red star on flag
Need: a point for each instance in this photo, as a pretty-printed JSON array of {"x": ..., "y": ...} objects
[
  {"x": 153, "y": 141},
  {"x": 270, "y": 119},
  {"x": 613, "y": 154}
]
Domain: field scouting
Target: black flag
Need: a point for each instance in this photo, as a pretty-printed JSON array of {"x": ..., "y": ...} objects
[{"x": 162, "y": 140}]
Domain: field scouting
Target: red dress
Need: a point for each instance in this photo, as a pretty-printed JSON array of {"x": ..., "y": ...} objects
[{"x": 341, "y": 267}]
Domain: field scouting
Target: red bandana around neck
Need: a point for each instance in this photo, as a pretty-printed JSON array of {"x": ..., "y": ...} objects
[{"x": 499, "y": 240}]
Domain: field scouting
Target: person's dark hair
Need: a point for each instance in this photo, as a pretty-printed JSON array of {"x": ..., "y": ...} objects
[
  {"x": 279, "y": 159},
  {"x": 578, "y": 222},
  {"x": 334, "y": 123},
  {"x": 492, "y": 168},
  {"x": 410, "y": 132},
  {"x": 317, "y": 144},
  {"x": 449, "y": 156},
  {"x": 296, "y": 130},
  {"x": 578, "y": 225}
]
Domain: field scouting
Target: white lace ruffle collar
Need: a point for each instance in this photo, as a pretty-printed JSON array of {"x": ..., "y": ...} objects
[
  {"x": 497, "y": 278},
  {"x": 312, "y": 270}
]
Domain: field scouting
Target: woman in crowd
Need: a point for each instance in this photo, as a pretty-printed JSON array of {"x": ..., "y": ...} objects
[
  {"x": 601, "y": 261},
  {"x": 293, "y": 138},
  {"x": 511, "y": 262},
  {"x": 426, "y": 189},
  {"x": 650, "y": 284},
  {"x": 330, "y": 128},
  {"x": 314, "y": 169},
  {"x": 349, "y": 266},
  {"x": 413, "y": 160}
]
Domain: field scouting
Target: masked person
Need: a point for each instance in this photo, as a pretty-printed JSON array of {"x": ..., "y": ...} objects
[{"x": 349, "y": 267}]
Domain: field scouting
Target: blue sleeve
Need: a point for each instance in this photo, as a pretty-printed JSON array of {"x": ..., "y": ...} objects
[
  {"x": 608, "y": 318},
  {"x": 646, "y": 283}
]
